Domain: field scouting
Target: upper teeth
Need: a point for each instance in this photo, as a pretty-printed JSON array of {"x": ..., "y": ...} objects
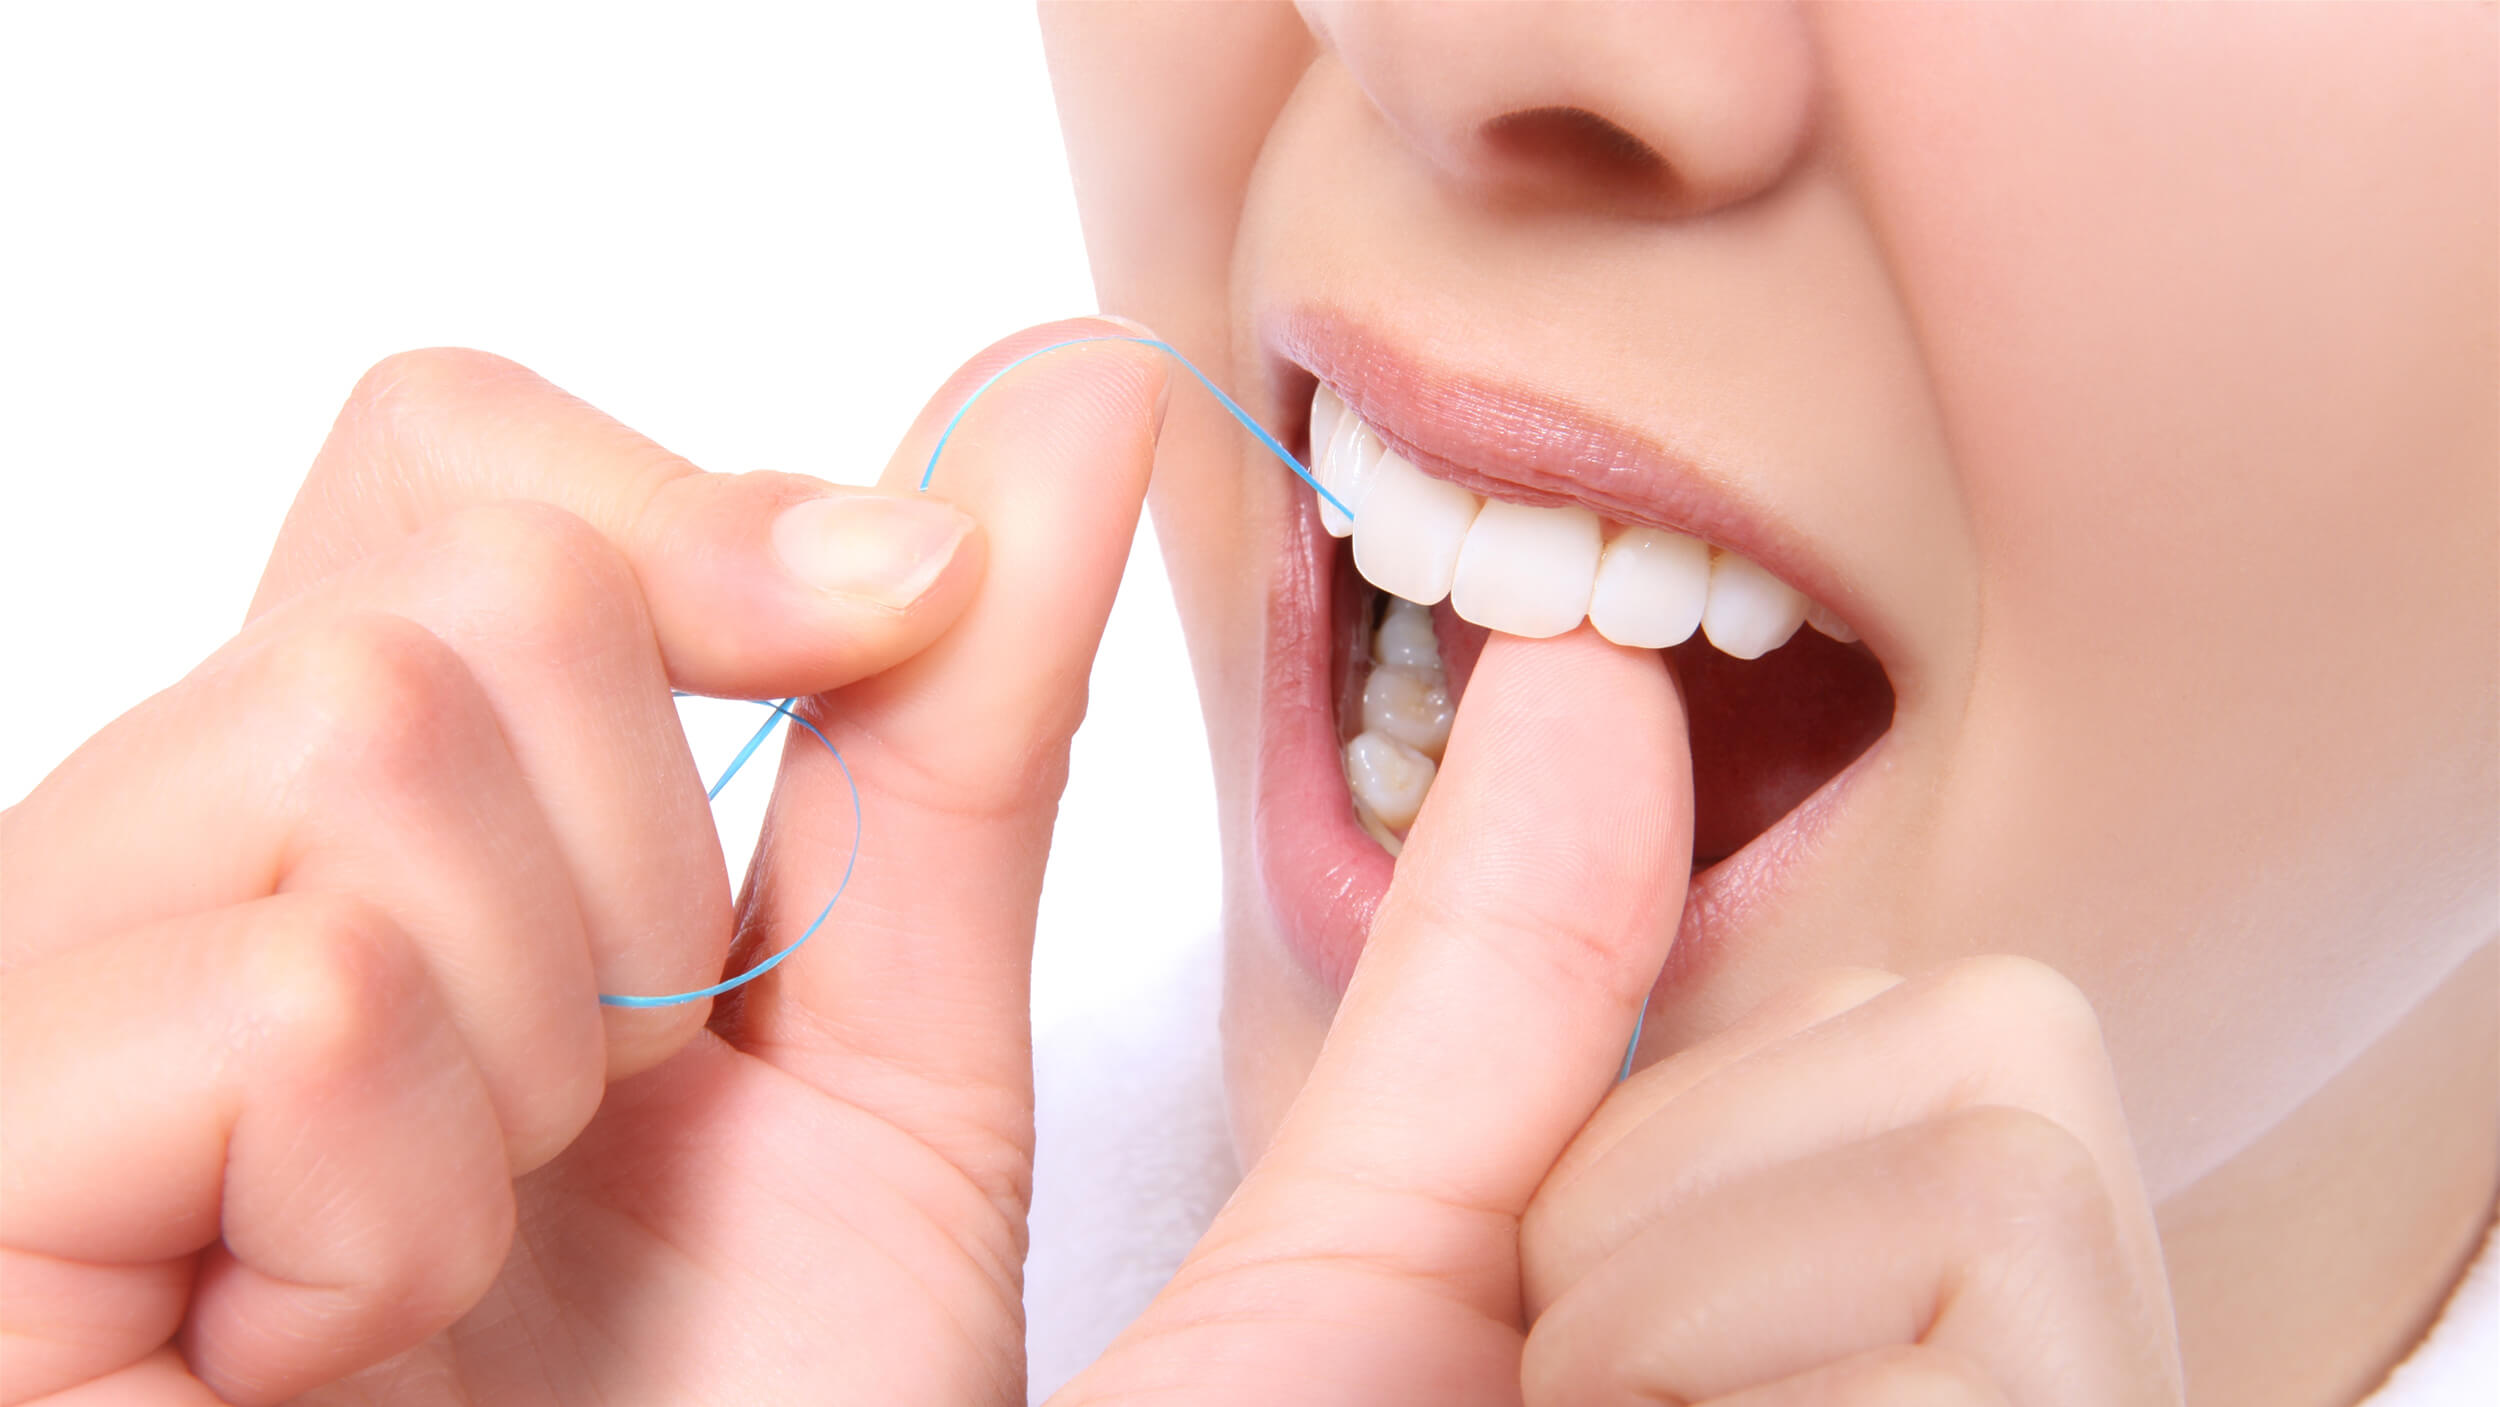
[{"x": 1538, "y": 572}]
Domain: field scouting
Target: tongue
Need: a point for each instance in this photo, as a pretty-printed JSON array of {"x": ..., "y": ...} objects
[{"x": 1765, "y": 732}]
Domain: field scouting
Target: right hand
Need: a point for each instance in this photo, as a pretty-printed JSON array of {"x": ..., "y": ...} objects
[
  {"x": 1371, "y": 1254},
  {"x": 1754, "y": 1218},
  {"x": 302, "y": 1073}
]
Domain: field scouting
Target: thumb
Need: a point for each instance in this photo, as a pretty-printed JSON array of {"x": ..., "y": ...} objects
[
  {"x": 1531, "y": 912},
  {"x": 1532, "y": 909},
  {"x": 956, "y": 756}
]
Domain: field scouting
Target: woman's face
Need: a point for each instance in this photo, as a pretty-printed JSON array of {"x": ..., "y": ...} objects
[{"x": 2123, "y": 377}]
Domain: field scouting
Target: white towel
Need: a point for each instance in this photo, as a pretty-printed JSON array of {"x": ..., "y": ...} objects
[
  {"x": 2460, "y": 1361},
  {"x": 1134, "y": 1157}
]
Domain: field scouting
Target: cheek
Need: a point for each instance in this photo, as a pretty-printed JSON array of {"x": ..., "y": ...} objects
[
  {"x": 1218, "y": 503},
  {"x": 1218, "y": 506},
  {"x": 2212, "y": 344}
]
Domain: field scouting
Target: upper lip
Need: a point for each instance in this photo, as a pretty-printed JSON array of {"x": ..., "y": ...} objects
[{"x": 1457, "y": 423}]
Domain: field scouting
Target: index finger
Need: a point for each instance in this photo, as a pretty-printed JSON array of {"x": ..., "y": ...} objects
[{"x": 758, "y": 584}]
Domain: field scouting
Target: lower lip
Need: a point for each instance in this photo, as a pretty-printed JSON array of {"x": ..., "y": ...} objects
[{"x": 1324, "y": 876}]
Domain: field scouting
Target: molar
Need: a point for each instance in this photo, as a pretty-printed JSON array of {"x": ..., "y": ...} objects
[
  {"x": 1410, "y": 703},
  {"x": 1406, "y": 636},
  {"x": 1389, "y": 779},
  {"x": 1391, "y": 763}
]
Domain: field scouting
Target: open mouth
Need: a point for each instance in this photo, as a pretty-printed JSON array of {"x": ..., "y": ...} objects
[{"x": 1395, "y": 605}]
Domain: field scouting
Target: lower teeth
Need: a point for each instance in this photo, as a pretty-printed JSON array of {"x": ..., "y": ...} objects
[{"x": 1406, "y": 711}]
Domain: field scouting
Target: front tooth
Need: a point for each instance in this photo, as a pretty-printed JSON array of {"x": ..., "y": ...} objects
[
  {"x": 1411, "y": 529},
  {"x": 1353, "y": 471},
  {"x": 1651, "y": 587},
  {"x": 1325, "y": 408},
  {"x": 1409, "y": 704},
  {"x": 1331, "y": 465},
  {"x": 1750, "y": 612},
  {"x": 1527, "y": 571},
  {"x": 1406, "y": 636},
  {"x": 1327, "y": 418},
  {"x": 1389, "y": 778}
]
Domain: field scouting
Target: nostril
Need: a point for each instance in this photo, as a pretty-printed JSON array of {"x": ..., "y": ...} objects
[{"x": 1572, "y": 146}]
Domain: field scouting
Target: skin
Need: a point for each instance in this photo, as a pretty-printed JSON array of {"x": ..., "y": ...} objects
[
  {"x": 2161, "y": 974},
  {"x": 305, "y": 1089},
  {"x": 322, "y": 928},
  {"x": 2151, "y": 355}
]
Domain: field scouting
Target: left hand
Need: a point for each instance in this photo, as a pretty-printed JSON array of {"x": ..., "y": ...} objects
[
  {"x": 1869, "y": 1191},
  {"x": 305, "y": 1093}
]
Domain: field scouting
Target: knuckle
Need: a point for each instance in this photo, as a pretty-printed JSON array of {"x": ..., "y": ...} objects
[
  {"x": 372, "y": 696},
  {"x": 1841, "y": 987},
  {"x": 555, "y": 583},
  {"x": 1555, "y": 961},
  {"x": 1827, "y": 993},
  {"x": 336, "y": 994},
  {"x": 1917, "y": 1375},
  {"x": 2010, "y": 1170},
  {"x": 1581, "y": 1351},
  {"x": 1999, "y": 1000},
  {"x": 1549, "y": 944},
  {"x": 330, "y": 977},
  {"x": 402, "y": 394},
  {"x": 1005, "y": 778}
]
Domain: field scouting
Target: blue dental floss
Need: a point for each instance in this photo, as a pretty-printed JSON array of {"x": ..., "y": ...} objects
[
  {"x": 780, "y": 711},
  {"x": 786, "y": 708}
]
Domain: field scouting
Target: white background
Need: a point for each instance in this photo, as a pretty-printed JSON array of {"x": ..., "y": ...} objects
[{"x": 761, "y": 234}]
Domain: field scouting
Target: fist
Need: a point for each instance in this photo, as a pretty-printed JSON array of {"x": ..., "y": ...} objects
[{"x": 1870, "y": 1191}]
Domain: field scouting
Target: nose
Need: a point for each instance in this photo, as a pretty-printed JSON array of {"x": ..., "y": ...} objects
[{"x": 1673, "y": 108}]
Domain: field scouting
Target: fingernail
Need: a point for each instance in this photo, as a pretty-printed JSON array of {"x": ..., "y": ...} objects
[
  {"x": 1133, "y": 325},
  {"x": 876, "y": 547}
]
